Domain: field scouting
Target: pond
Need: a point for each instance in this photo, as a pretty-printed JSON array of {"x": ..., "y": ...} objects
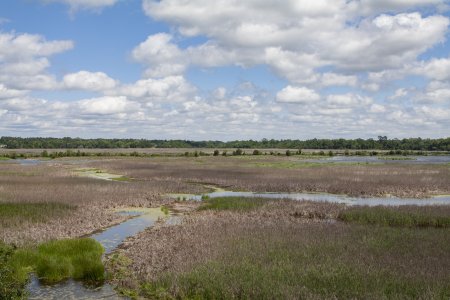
[{"x": 110, "y": 238}]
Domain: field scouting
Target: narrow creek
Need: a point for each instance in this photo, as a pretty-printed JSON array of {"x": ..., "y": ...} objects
[
  {"x": 110, "y": 238},
  {"x": 322, "y": 197}
]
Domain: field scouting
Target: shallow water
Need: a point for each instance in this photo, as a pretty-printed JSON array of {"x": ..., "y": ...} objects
[
  {"x": 385, "y": 159},
  {"x": 110, "y": 239},
  {"x": 319, "y": 197}
]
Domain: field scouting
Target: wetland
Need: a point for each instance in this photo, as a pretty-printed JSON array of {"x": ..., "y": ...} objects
[{"x": 222, "y": 227}]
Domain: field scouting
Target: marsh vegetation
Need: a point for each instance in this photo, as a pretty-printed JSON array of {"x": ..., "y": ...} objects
[{"x": 230, "y": 247}]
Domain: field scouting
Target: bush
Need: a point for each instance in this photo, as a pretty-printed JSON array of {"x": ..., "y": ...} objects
[{"x": 256, "y": 152}]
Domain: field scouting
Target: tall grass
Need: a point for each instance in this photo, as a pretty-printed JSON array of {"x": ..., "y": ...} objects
[
  {"x": 11, "y": 286},
  {"x": 15, "y": 214},
  {"x": 233, "y": 203},
  {"x": 55, "y": 261},
  {"x": 438, "y": 217}
]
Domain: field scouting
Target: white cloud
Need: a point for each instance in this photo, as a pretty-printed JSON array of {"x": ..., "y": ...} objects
[
  {"x": 6, "y": 92},
  {"x": 348, "y": 100},
  {"x": 168, "y": 89},
  {"x": 434, "y": 113},
  {"x": 24, "y": 60},
  {"x": 268, "y": 32},
  {"x": 105, "y": 105},
  {"x": 333, "y": 79},
  {"x": 300, "y": 95},
  {"x": 160, "y": 55},
  {"x": 89, "y": 81},
  {"x": 20, "y": 47},
  {"x": 438, "y": 69}
]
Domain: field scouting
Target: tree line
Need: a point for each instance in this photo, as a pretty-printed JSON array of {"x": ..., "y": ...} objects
[{"x": 381, "y": 143}]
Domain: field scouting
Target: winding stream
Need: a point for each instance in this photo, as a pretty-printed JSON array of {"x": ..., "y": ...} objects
[
  {"x": 323, "y": 197},
  {"x": 110, "y": 239}
]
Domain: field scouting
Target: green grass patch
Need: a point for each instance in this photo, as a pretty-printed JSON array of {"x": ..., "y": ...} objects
[
  {"x": 233, "y": 203},
  {"x": 12, "y": 284},
  {"x": 123, "y": 178},
  {"x": 438, "y": 217},
  {"x": 52, "y": 262},
  {"x": 15, "y": 214},
  {"x": 58, "y": 260},
  {"x": 4, "y": 158}
]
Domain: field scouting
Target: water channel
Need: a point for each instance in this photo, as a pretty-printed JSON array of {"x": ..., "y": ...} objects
[
  {"x": 110, "y": 238},
  {"x": 323, "y": 197}
]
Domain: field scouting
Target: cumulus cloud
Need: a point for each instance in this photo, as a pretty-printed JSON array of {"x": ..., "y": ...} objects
[
  {"x": 436, "y": 68},
  {"x": 105, "y": 105},
  {"x": 6, "y": 92},
  {"x": 24, "y": 60},
  {"x": 160, "y": 55},
  {"x": 89, "y": 81},
  {"x": 167, "y": 89},
  {"x": 300, "y": 95},
  {"x": 329, "y": 31}
]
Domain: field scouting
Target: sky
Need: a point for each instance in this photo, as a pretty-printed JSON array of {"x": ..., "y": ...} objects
[{"x": 225, "y": 69}]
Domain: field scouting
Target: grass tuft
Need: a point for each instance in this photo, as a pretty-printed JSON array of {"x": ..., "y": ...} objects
[
  {"x": 398, "y": 216},
  {"x": 233, "y": 203},
  {"x": 55, "y": 261}
]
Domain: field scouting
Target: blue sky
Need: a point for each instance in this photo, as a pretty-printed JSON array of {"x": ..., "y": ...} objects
[{"x": 226, "y": 69}]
